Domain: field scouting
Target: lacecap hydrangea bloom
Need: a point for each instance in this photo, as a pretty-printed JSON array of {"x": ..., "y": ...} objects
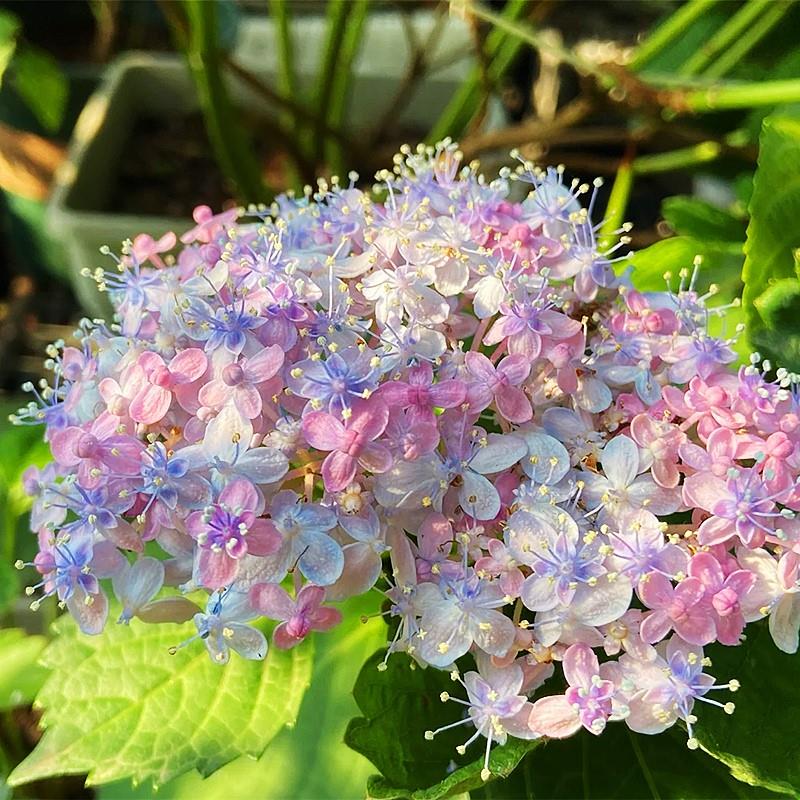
[{"x": 439, "y": 393}]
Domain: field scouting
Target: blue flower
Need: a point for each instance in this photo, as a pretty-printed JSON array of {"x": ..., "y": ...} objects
[
  {"x": 304, "y": 528},
  {"x": 333, "y": 383},
  {"x": 222, "y": 628}
]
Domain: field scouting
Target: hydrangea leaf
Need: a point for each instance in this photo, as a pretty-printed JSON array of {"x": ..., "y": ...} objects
[
  {"x": 779, "y": 308},
  {"x": 759, "y": 743},
  {"x": 21, "y": 676},
  {"x": 119, "y": 705},
  {"x": 399, "y": 704},
  {"x": 317, "y": 737},
  {"x": 623, "y": 765},
  {"x": 40, "y": 82},
  {"x": 773, "y": 233},
  {"x": 690, "y": 216},
  {"x": 503, "y": 762}
]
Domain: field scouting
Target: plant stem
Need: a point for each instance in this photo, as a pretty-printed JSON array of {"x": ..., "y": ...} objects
[
  {"x": 732, "y": 95},
  {"x": 501, "y": 49},
  {"x": 533, "y": 130},
  {"x": 526, "y": 33},
  {"x": 337, "y": 13},
  {"x": 418, "y": 65},
  {"x": 287, "y": 84},
  {"x": 748, "y": 40},
  {"x": 618, "y": 200},
  {"x": 342, "y": 81},
  {"x": 683, "y": 158},
  {"x": 724, "y": 37},
  {"x": 668, "y": 31},
  {"x": 228, "y": 139}
]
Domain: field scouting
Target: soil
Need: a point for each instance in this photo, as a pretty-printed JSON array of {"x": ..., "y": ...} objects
[{"x": 168, "y": 168}]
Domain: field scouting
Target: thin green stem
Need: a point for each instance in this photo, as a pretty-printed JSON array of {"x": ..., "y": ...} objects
[
  {"x": 527, "y": 34},
  {"x": 741, "y": 95},
  {"x": 617, "y": 201},
  {"x": 729, "y": 33},
  {"x": 342, "y": 82},
  {"x": 337, "y": 14},
  {"x": 748, "y": 40},
  {"x": 500, "y": 48},
  {"x": 682, "y": 158},
  {"x": 286, "y": 80},
  {"x": 586, "y": 785},
  {"x": 228, "y": 138},
  {"x": 648, "y": 775},
  {"x": 669, "y": 31}
]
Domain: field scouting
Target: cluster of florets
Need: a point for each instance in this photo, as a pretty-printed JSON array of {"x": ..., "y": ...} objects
[{"x": 435, "y": 392}]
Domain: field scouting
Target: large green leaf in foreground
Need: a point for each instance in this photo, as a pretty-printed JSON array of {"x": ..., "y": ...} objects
[
  {"x": 310, "y": 760},
  {"x": 760, "y": 742},
  {"x": 21, "y": 676},
  {"x": 772, "y": 292},
  {"x": 119, "y": 705}
]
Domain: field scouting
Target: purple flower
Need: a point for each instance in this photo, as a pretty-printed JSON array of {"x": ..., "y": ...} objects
[
  {"x": 228, "y": 530},
  {"x": 457, "y": 613},
  {"x": 333, "y": 383},
  {"x": 297, "y": 617},
  {"x": 305, "y": 541}
]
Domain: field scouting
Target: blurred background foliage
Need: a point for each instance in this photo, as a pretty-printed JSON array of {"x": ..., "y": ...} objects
[{"x": 664, "y": 99}]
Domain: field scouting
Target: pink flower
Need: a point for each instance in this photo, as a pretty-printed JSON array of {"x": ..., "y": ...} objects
[
  {"x": 639, "y": 317},
  {"x": 724, "y": 593},
  {"x": 527, "y": 326},
  {"x": 680, "y": 608},
  {"x": 434, "y": 544},
  {"x": 773, "y": 455},
  {"x": 706, "y": 403},
  {"x": 408, "y": 438},
  {"x": 146, "y": 248},
  {"x": 153, "y": 382},
  {"x": 499, "y": 384},
  {"x": 209, "y": 224},
  {"x": 500, "y": 563},
  {"x": 97, "y": 450},
  {"x": 587, "y": 702},
  {"x": 298, "y": 617},
  {"x": 741, "y": 506},
  {"x": 420, "y": 395},
  {"x": 351, "y": 444},
  {"x": 227, "y": 531},
  {"x": 660, "y": 441},
  {"x": 239, "y": 382},
  {"x": 719, "y": 455}
]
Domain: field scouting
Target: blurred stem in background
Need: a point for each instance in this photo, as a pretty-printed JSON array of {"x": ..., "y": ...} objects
[{"x": 227, "y": 136}]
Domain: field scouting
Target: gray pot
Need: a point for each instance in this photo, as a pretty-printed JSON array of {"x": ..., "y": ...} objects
[{"x": 142, "y": 84}]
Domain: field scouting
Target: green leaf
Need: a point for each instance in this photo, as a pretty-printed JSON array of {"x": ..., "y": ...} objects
[
  {"x": 772, "y": 236},
  {"x": 690, "y": 216},
  {"x": 317, "y": 738},
  {"x": 40, "y": 82},
  {"x": 503, "y": 761},
  {"x": 399, "y": 704},
  {"x": 119, "y": 705},
  {"x": 621, "y": 764},
  {"x": 21, "y": 676},
  {"x": 760, "y": 742},
  {"x": 9, "y": 31}
]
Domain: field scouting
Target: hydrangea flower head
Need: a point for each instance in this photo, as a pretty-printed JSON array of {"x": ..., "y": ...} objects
[{"x": 444, "y": 394}]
